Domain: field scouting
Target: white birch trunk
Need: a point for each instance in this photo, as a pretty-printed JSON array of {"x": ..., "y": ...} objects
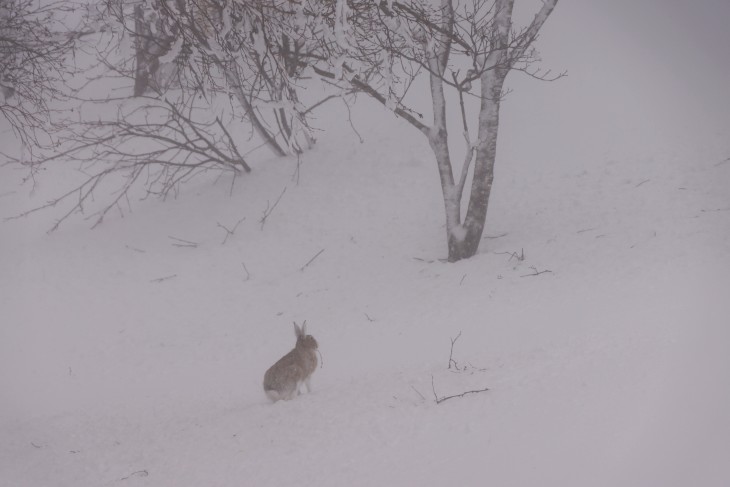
[{"x": 438, "y": 137}]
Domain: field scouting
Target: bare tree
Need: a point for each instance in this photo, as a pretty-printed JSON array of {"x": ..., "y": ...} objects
[
  {"x": 147, "y": 142},
  {"x": 248, "y": 51},
  {"x": 380, "y": 48},
  {"x": 252, "y": 55},
  {"x": 35, "y": 43},
  {"x": 200, "y": 71}
]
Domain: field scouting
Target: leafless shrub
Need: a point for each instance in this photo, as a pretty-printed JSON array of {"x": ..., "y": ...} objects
[
  {"x": 36, "y": 44},
  {"x": 149, "y": 143}
]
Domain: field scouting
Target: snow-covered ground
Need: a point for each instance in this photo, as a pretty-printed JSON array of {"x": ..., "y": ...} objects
[{"x": 129, "y": 360}]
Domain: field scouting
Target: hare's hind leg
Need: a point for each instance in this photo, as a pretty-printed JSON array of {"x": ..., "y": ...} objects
[
  {"x": 308, "y": 383},
  {"x": 289, "y": 395},
  {"x": 273, "y": 395}
]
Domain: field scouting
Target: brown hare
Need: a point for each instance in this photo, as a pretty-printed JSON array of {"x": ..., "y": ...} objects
[{"x": 284, "y": 379}]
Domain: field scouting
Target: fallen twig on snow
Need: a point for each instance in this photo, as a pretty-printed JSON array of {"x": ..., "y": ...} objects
[
  {"x": 270, "y": 208},
  {"x": 536, "y": 273},
  {"x": 138, "y": 473},
  {"x": 311, "y": 260},
  {"x": 514, "y": 255},
  {"x": 451, "y": 353},
  {"x": 230, "y": 232},
  {"x": 439, "y": 400},
  {"x": 418, "y": 392},
  {"x": 161, "y": 279},
  {"x": 180, "y": 242},
  {"x": 248, "y": 274}
]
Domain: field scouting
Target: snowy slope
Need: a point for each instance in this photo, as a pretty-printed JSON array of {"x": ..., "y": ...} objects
[{"x": 611, "y": 369}]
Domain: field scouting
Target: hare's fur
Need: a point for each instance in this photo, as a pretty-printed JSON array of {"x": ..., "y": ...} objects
[{"x": 285, "y": 378}]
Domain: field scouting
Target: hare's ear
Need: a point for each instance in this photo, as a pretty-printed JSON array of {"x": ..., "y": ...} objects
[
  {"x": 304, "y": 328},
  {"x": 297, "y": 331}
]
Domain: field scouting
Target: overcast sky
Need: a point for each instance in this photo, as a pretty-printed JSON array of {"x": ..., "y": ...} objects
[{"x": 644, "y": 77}]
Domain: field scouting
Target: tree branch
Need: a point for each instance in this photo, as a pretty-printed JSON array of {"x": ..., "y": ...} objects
[{"x": 439, "y": 400}]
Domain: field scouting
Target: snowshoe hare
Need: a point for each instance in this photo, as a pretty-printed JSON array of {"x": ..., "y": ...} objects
[{"x": 284, "y": 379}]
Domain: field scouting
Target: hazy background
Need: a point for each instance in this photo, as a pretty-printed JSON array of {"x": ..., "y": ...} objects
[
  {"x": 611, "y": 370},
  {"x": 644, "y": 78}
]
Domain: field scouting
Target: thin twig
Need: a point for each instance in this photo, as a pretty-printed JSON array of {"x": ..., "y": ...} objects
[
  {"x": 182, "y": 242},
  {"x": 161, "y": 279},
  {"x": 248, "y": 274},
  {"x": 439, "y": 400},
  {"x": 320, "y": 102},
  {"x": 462, "y": 279},
  {"x": 230, "y": 232},
  {"x": 644, "y": 181},
  {"x": 297, "y": 170},
  {"x": 496, "y": 236},
  {"x": 349, "y": 118},
  {"x": 418, "y": 392},
  {"x": 514, "y": 255},
  {"x": 536, "y": 272},
  {"x": 138, "y": 473},
  {"x": 451, "y": 352},
  {"x": 369, "y": 318},
  {"x": 480, "y": 369},
  {"x": 311, "y": 260},
  {"x": 270, "y": 209}
]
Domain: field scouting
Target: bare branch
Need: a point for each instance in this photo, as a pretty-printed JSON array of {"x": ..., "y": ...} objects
[
  {"x": 514, "y": 255},
  {"x": 301, "y": 269},
  {"x": 269, "y": 209},
  {"x": 536, "y": 272},
  {"x": 162, "y": 279},
  {"x": 230, "y": 232},
  {"x": 451, "y": 353},
  {"x": 179, "y": 242},
  {"x": 349, "y": 119},
  {"x": 439, "y": 400},
  {"x": 531, "y": 32},
  {"x": 139, "y": 473},
  {"x": 418, "y": 392}
]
